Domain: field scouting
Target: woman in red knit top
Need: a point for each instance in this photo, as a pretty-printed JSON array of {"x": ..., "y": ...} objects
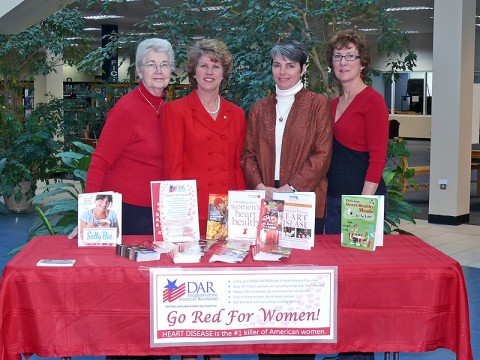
[
  {"x": 360, "y": 130},
  {"x": 204, "y": 133},
  {"x": 129, "y": 153},
  {"x": 360, "y": 127}
]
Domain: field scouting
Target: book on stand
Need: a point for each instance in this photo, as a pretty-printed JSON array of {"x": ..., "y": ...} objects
[
  {"x": 217, "y": 222},
  {"x": 298, "y": 219},
  {"x": 362, "y": 221},
  {"x": 244, "y": 214},
  {"x": 100, "y": 219},
  {"x": 175, "y": 210}
]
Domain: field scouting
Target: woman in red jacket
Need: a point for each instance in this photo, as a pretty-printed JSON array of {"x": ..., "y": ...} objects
[{"x": 204, "y": 133}]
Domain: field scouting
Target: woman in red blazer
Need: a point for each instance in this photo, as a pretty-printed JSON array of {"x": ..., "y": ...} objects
[{"x": 204, "y": 133}]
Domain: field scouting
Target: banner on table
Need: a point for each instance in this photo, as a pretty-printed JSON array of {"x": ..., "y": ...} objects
[{"x": 243, "y": 305}]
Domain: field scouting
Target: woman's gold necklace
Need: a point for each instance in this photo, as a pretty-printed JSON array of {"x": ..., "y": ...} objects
[
  {"x": 157, "y": 111},
  {"x": 285, "y": 113}
]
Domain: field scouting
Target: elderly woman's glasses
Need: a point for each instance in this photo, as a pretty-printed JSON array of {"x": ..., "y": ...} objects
[
  {"x": 154, "y": 67},
  {"x": 348, "y": 57}
]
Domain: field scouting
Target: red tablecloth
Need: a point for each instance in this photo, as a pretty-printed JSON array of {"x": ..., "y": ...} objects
[{"x": 404, "y": 297}]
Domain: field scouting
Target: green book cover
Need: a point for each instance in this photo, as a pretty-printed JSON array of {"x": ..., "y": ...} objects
[{"x": 362, "y": 221}]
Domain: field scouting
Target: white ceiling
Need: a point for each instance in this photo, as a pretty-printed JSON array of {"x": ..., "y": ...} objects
[{"x": 135, "y": 11}]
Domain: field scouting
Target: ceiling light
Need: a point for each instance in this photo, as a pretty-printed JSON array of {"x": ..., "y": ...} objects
[
  {"x": 409, "y": 8},
  {"x": 92, "y": 29},
  {"x": 102, "y": 17}
]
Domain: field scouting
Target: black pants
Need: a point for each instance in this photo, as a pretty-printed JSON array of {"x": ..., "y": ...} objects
[{"x": 136, "y": 220}]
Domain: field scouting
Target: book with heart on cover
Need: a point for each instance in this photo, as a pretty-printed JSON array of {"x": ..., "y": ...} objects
[
  {"x": 100, "y": 219},
  {"x": 244, "y": 214}
]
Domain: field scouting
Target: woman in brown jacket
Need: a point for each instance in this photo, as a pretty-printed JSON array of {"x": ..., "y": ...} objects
[{"x": 289, "y": 137}]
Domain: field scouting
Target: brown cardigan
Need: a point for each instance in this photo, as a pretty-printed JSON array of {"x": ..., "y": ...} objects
[{"x": 306, "y": 146}]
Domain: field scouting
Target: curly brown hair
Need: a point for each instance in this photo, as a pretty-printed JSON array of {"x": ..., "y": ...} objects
[
  {"x": 342, "y": 39},
  {"x": 217, "y": 51}
]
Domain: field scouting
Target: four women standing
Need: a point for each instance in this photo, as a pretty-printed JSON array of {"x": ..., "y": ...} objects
[{"x": 287, "y": 145}]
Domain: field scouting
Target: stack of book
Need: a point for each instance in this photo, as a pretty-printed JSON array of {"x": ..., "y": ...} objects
[{"x": 137, "y": 252}]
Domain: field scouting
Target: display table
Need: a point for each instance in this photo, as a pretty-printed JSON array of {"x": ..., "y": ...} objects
[{"x": 404, "y": 297}]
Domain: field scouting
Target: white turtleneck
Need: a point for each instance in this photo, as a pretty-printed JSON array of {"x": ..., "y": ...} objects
[{"x": 285, "y": 99}]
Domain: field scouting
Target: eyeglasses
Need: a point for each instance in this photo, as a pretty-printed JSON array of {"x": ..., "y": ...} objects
[
  {"x": 348, "y": 57},
  {"x": 154, "y": 67}
]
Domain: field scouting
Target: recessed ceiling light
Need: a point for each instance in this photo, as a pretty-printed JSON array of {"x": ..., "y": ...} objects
[
  {"x": 92, "y": 29},
  {"x": 409, "y": 8},
  {"x": 102, "y": 17}
]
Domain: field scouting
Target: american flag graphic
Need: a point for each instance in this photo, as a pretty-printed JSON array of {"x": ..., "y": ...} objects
[{"x": 171, "y": 294}]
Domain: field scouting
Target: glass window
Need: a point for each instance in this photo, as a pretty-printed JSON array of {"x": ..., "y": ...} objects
[{"x": 410, "y": 94}]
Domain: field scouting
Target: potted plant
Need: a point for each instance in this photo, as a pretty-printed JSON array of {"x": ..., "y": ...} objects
[{"x": 396, "y": 175}]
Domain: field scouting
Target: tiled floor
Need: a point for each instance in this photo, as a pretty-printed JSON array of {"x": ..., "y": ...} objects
[{"x": 460, "y": 242}]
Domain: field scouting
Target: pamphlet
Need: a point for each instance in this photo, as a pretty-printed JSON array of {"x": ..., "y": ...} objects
[
  {"x": 217, "y": 223},
  {"x": 175, "y": 210},
  {"x": 362, "y": 221},
  {"x": 268, "y": 252},
  {"x": 187, "y": 252},
  {"x": 233, "y": 251},
  {"x": 100, "y": 219},
  {"x": 55, "y": 262},
  {"x": 244, "y": 214},
  {"x": 137, "y": 252},
  {"x": 298, "y": 219}
]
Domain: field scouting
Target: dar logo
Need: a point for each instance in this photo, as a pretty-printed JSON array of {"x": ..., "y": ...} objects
[{"x": 173, "y": 292}]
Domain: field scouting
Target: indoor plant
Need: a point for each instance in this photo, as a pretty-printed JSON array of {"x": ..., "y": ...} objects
[
  {"x": 57, "y": 206},
  {"x": 396, "y": 176},
  {"x": 28, "y": 147}
]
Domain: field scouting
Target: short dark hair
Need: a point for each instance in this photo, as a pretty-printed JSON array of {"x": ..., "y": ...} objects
[
  {"x": 342, "y": 39},
  {"x": 291, "y": 49}
]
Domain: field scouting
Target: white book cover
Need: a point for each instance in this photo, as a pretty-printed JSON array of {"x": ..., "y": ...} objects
[
  {"x": 244, "y": 214},
  {"x": 175, "y": 210},
  {"x": 298, "y": 219},
  {"x": 100, "y": 219}
]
